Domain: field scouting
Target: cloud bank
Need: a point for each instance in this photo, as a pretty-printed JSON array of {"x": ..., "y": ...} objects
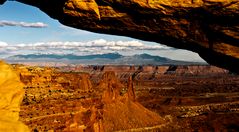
[
  {"x": 90, "y": 47},
  {"x": 23, "y": 24}
]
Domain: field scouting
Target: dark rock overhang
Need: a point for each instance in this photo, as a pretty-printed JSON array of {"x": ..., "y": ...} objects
[{"x": 208, "y": 27}]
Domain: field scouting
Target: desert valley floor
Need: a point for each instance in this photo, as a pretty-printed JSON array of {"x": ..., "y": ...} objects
[{"x": 129, "y": 98}]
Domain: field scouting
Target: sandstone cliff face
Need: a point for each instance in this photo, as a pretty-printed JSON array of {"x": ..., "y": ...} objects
[
  {"x": 111, "y": 87},
  {"x": 130, "y": 89},
  {"x": 122, "y": 111},
  {"x": 35, "y": 75},
  {"x": 40, "y": 77},
  {"x": 116, "y": 111},
  {"x": 208, "y": 27},
  {"x": 74, "y": 81},
  {"x": 195, "y": 70},
  {"x": 11, "y": 95}
]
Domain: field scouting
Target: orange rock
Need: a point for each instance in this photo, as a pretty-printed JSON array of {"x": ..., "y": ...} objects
[
  {"x": 123, "y": 112},
  {"x": 111, "y": 86},
  {"x": 85, "y": 83},
  {"x": 11, "y": 95},
  {"x": 130, "y": 89}
]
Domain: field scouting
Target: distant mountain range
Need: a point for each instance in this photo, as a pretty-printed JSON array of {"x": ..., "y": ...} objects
[
  {"x": 98, "y": 59},
  {"x": 68, "y": 56}
]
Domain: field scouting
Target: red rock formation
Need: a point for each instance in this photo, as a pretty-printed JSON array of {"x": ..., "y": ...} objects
[
  {"x": 123, "y": 68},
  {"x": 123, "y": 112},
  {"x": 161, "y": 69},
  {"x": 74, "y": 81},
  {"x": 117, "y": 111},
  {"x": 195, "y": 70},
  {"x": 111, "y": 87},
  {"x": 85, "y": 83},
  {"x": 130, "y": 89},
  {"x": 89, "y": 120},
  {"x": 148, "y": 68}
]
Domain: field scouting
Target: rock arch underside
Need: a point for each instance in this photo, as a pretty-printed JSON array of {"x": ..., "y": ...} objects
[{"x": 208, "y": 27}]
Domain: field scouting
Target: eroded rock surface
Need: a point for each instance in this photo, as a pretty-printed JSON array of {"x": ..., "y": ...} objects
[
  {"x": 111, "y": 87},
  {"x": 74, "y": 101},
  {"x": 185, "y": 98},
  {"x": 11, "y": 95},
  {"x": 208, "y": 27},
  {"x": 121, "y": 111},
  {"x": 130, "y": 89}
]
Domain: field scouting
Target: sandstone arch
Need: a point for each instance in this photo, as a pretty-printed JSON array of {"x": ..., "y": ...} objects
[{"x": 208, "y": 27}]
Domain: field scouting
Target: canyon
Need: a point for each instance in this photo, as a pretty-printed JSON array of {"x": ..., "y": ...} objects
[
  {"x": 132, "y": 98},
  {"x": 208, "y": 27},
  {"x": 129, "y": 98}
]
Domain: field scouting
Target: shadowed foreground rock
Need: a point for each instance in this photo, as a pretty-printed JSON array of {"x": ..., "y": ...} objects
[
  {"x": 208, "y": 27},
  {"x": 11, "y": 95}
]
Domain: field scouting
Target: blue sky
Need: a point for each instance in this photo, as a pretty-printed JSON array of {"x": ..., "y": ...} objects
[
  {"x": 15, "y": 11},
  {"x": 19, "y": 35}
]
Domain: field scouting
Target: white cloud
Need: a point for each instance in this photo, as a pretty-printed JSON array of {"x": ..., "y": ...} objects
[
  {"x": 100, "y": 44},
  {"x": 3, "y": 44},
  {"x": 129, "y": 43},
  {"x": 23, "y": 24}
]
